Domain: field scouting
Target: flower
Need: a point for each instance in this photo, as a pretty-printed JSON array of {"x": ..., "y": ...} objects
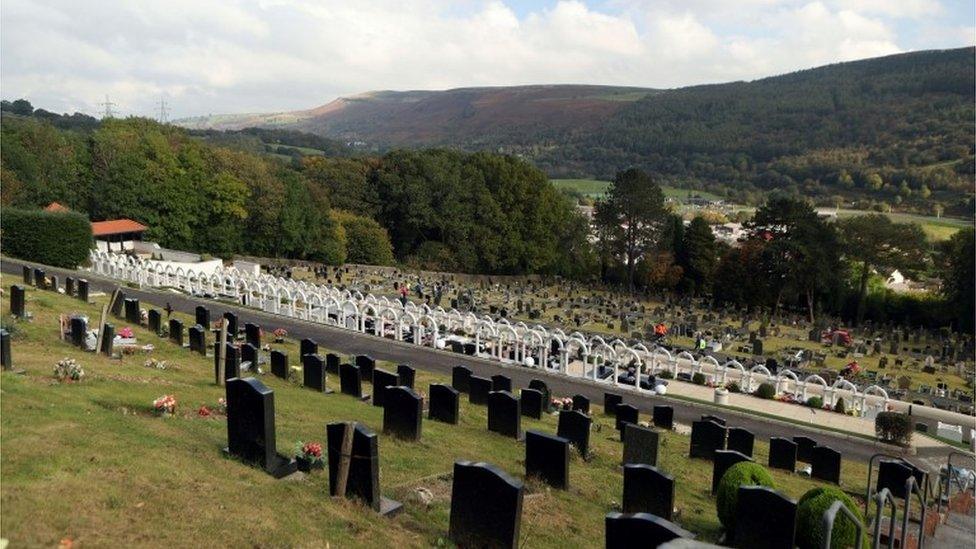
[
  {"x": 280, "y": 332},
  {"x": 157, "y": 364},
  {"x": 126, "y": 333},
  {"x": 311, "y": 451},
  {"x": 165, "y": 404},
  {"x": 67, "y": 369},
  {"x": 204, "y": 411},
  {"x": 222, "y": 404}
]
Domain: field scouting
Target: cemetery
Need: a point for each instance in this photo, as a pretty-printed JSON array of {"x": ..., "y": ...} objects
[{"x": 142, "y": 443}]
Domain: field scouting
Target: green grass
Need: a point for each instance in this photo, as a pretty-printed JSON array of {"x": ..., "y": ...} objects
[
  {"x": 596, "y": 188},
  {"x": 936, "y": 228},
  {"x": 88, "y": 461}
]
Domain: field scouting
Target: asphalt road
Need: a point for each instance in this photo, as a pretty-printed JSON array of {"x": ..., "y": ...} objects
[{"x": 432, "y": 360}]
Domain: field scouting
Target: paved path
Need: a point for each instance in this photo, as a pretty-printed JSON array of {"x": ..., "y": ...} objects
[{"x": 432, "y": 360}]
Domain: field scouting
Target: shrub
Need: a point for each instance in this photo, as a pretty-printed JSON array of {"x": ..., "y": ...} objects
[
  {"x": 815, "y": 402},
  {"x": 809, "y": 517},
  {"x": 59, "y": 239},
  {"x": 733, "y": 387},
  {"x": 665, "y": 374},
  {"x": 840, "y": 407},
  {"x": 698, "y": 378},
  {"x": 745, "y": 473},
  {"x": 894, "y": 428},
  {"x": 367, "y": 242},
  {"x": 766, "y": 391}
]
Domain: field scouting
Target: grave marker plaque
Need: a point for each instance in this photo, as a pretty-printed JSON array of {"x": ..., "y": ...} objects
[
  {"x": 351, "y": 380},
  {"x": 17, "y": 302},
  {"x": 249, "y": 353},
  {"x": 825, "y": 464},
  {"x": 252, "y": 334},
  {"x": 108, "y": 339},
  {"x": 547, "y": 457},
  {"x": 176, "y": 331},
  {"x": 804, "y": 448},
  {"x": 574, "y": 426},
  {"x": 478, "y": 389},
  {"x": 782, "y": 454},
  {"x": 313, "y": 373},
  {"x": 381, "y": 381},
  {"x": 331, "y": 362},
  {"x": 722, "y": 460},
  {"x": 444, "y": 404},
  {"x": 532, "y": 403},
  {"x": 79, "y": 330},
  {"x": 640, "y": 444},
  {"x": 407, "y": 375},
  {"x": 581, "y": 404},
  {"x": 232, "y": 329},
  {"x": 131, "y": 305},
  {"x": 741, "y": 440},
  {"x": 504, "y": 414},
  {"x": 706, "y": 438},
  {"x": 83, "y": 289},
  {"x": 279, "y": 364},
  {"x": 198, "y": 339},
  {"x": 155, "y": 321},
  {"x": 251, "y": 426},
  {"x": 625, "y": 413},
  {"x": 610, "y": 402},
  {"x": 461, "y": 378},
  {"x": 647, "y": 489},
  {"x": 486, "y": 506},
  {"x": 403, "y": 412},
  {"x": 765, "y": 519},
  {"x": 664, "y": 417},
  {"x": 366, "y": 365},
  {"x": 623, "y": 529},
  {"x": 363, "y": 480}
]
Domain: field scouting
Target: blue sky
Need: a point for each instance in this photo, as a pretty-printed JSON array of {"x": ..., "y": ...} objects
[{"x": 223, "y": 56}]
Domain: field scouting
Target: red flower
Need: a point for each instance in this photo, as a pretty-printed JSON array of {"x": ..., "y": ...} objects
[
  {"x": 204, "y": 411},
  {"x": 313, "y": 449}
]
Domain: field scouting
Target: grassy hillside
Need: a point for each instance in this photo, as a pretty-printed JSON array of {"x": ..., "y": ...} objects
[{"x": 88, "y": 461}]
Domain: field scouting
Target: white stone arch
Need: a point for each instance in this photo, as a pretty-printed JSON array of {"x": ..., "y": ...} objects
[
  {"x": 602, "y": 353},
  {"x": 427, "y": 328},
  {"x": 816, "y": 380},
  {"x": 384, "y": 315},
  {"x": 534, "y": 340},
  {"x": 507, "y": 337},
  {"x": 783, "y": 377}
]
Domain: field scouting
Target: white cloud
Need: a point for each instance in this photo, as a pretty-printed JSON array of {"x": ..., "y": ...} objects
[{"x": 209, "y": 56}]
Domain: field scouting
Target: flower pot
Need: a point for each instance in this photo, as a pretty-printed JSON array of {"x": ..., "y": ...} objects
[
  {"x": 306, "y": 465},
  {"x": 721, "y": 396}
]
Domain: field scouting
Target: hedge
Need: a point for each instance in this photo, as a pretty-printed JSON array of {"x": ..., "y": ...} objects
[
  {"x": 59, "y": 239},
  {"x": 766, "y": 391},
  {"x": 809, "y": 519},
  {"x": 745, "y": 473},
  {"x": 893, "y": 427}
]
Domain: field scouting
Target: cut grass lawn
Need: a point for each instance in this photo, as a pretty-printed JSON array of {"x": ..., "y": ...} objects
[
  {"x": 88, "y": 461},
  {"x": 596, "y": 188}
]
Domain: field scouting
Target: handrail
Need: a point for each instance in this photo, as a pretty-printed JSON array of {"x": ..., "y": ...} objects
[
  {"x": 911, "y": 487},
  {"x": 882, "y": 497},
  {"x": 828, "y": 524},
  {"x": 945, "y": 486}
]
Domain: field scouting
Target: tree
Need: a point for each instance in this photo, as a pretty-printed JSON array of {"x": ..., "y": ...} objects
[
  {"x": 874, "y": 241},
  {"x": 958, "y": 262},
  {"x": 366, "y": 241},
  {"x": 698, "y": 256},
  {"x": 633, "y": 214}
]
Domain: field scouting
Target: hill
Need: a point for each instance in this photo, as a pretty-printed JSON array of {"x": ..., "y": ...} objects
[{"x": 822, "y": 132}]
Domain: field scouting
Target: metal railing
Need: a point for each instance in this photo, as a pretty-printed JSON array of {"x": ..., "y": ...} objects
[
  {"x": 946, "y": 477},
  {"x": 882, "y": 497},
  {"x": 828, "y": 524},
  {"x": 911, "y": 488}
]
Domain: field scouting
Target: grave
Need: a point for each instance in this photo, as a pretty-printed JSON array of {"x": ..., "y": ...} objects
[
  {"x": 252, "y": 334},
  {"x": 532, "y": 403},
  {"x": 79, "y": 331},
  {"x": 486, "y": 506},
  {"x": 741, "y": 440},
  {"x": 28, "y": 275},
  {"x": 610, "y": 402},
  {"x": 720, "y": 420},
  {"x": 83, "y": 289},
  {"x": 825, "y": 464},
  {"x": 351, "y": 380},
  {"x": 131, "y": 305},
  {"x": 363, "y": 476},
  {"x": 407, "y": 375},
  {"x": 625, "y": 413},
  {"x": 782, "y": 454},
  {"x": 108, "y": 339},
  {"x": 155, "y": 321},
  {"x": 313, "y": 373},
  {"x": 623, "y": 529},
  {"x": 251, "y": 426},
  {"x": 648, "y": 489},
  {"x": 460, "y": 378},
  {"x": 547, "y": 457},
  {"x": 308, "y": 347},
  {"x": 772, "y": 528},
  {"x": 176, "y": 331},
  {"x": 250, "y": 353},
  {"x": 444, "y": 404},
  {"x": 581, "y": 404},
  {"x": 366, "y": 366},
  {"x": 501, "y": 383},
  {"x": 232, "y": 361},
  {"x": 331, "y": 362},
  {"x": 116, "y": 308},
  {"x": 230, "y": 318},
  {"x": 279, "y": 364},
  {"x": 202, "y": 316},
  {"x": 706, "y": 438},
  {"x": 541, "y": 386},
  {"x": 664, "y": 417},
  {"x": 893, "y": 475},
  {"x": 504, "y": 414},
  {"x": 198, "y": 339},
  {"x": 403, "y": 411},
  {"x": 381, "y": 381},
  {"x": 574, "y": 426},
  {"x": 640, "y": 444},
  {"x": 478, "y": 390},
  {"x": 18, "y": 306},
  {"x": 722, "y": 460},
  {"x": 6, "y": 359},
  {"x": 804, "y": 448}
]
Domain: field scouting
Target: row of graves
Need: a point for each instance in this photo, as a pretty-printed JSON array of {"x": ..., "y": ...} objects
[{"x": 486, "y": 502}]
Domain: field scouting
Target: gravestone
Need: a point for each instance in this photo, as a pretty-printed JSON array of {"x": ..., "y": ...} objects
[
  {"x": 757, "y": 347},
  {"x": 198, "y": 339},
  {"x": 252, "y": 334},
  {"x": 501, "y": 383},
  {"x": 407, "y": 375},
  {"x": 444, "y": 403},
  {"x": 132, "y": 310},
  {"x": 625, "y": 413},
  {"x": 504, "y": 414},
  {"x": 232, "y": 361},
  {"x": 108, "y": 339},
  {"x": 176, "y": 331},
  {"x": 366, "y": 365},
  {"x": 279, "y": 364},
  {"x": 547, "y": 457},
  {"x": 765, "y": 519},
  {"x": 308, "y": 347},
  {"x": 28, "y": 274},
  {"x": 460, "y": 378},
  {"x": 249, "y": 353},
  {"x": 230, "y": 318},
  {"x": 79, "y": 331},
  {"x": 532, "y": 403},
  {"x": 782, "y": 454},
  {"x": 893, "y": 475},
  {"x": 804, "y": 448},
  {"x": 83, "y": 289},
  {"x": 39, "y": 276},
  {"x": 155, "y": 321},
  {"x": 6, "y": 359},
  {"x": 664, "y": 417},
  {"x": 18, "y": 306},
  {"x": 716, "y": 419},
  {"x": 640, "y": 444},
  {"x": 314, "y": 375},
  {"x": 478, "y": 389},
  {"x": 251, "y": 426},
  {"x": 706, "y": 438},
  {"x": 381, "y": 381},
  {"x": 722, "y": 460},
  {"x": 623, "y": 529},
  {"x": 202, "y": 316},
  {"x": 541, "y": 386},
  {"x": 350, "y": 380},
  {"x": 581, "y": 404},
  {"x": 53, "y": 283},
  {"x": 403, "y": 412},
  {"x": 116, "y": 308},
  {"x": 648, "y": 489},
  {"x": 331, "y": 362},
  {"x": 363, "y": 480},
  {"x": 574, "y": 426},
  {"x": 610, "y": 402},
  {"x": 741, "y": 440},
  {"x": 486, "y": 506},
  {"x": 825, "y": 464}
]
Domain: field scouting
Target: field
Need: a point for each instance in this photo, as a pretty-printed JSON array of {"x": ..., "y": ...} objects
[
  {"x": 595, "y": 188},
  {"x": 89, "y": 462},
  {"x": 936, "y": 228}
]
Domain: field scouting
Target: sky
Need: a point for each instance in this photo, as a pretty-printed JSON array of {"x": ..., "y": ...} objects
[{"x": 212, "y": 57}]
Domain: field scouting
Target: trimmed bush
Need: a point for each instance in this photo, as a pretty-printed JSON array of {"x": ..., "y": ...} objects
[
  {"x": 745, "y": 473},
  {"x": 59, "y": 239},
  {"x": 841, "y": 406},
  {"x": 698, "y": 378},
  {"x": 665, "y": 374},
  {"x": 815, "y": 402},
  {"x": 893, "y": 428},
  {"x": 809, "y": 519},
  {"x": 766, "y": 391},
  {"x": 733, "y": 387}
]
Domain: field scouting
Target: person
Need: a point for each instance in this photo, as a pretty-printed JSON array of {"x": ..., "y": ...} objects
[{"x": 168, "y": 309}]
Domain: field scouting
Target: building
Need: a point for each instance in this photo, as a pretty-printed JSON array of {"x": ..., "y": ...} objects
[{"x": 121, "y": 232}]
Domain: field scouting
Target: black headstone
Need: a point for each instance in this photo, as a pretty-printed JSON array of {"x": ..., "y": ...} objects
[
  {"x": 547, "y": 457},
  {"x": 331, "y": 362},
  {"x": 350, "y": 380},
  {"x": 575, "y": 427},
  {"x": 460, "y": 378},
  {"x": 716, "y": 419},
  {"x": 116, "y": 308},
  {"x": 893, "y": 475},
  {"x": 252, "y": 334},
  {"x": 176, "y": 331},
  {"x": 251, "y": 426},
  {"x": 501, "y": 383},
  {"x": 18, "y": 307},
  {"x": 39, "y": 276},
  {"x": 532, "y": 403},
  {"x": 541, "y": 386},
  {"x": 804, "y": 448},
  {"x": 486, "y": 506},
  {"x": 313, "y": 373},
  {"x": 28, "y": 275},
  {"x": 610, "y": 402},
  {"x": 79, "y": 330},
  {"x": 622, "y": 531},
  {"x": 232, "y": 362},
  {"x": 741, "y": 440},
  {"x": 155, "y": 321},
  {"x": 782, "y": 454},
  {"x": 83, "y": 289},
  {"x": 478, "y": 389},
  {"x": 231, "y": 320},
  {"x": 108, "y": 339},
  {"x": 706, "y": 437},
  {"x": 366, "y": 365},
  {"x": 626, "y": 413},
  {"x": 722, "y": 460},
  {"x": 132, "y": 310},
  {"x": 381, "y": 380},
  {"x": 664, "y": 417},
  {"x": 202, "y": 316},
  {"x": 764, "y": 519},
  {"x": 6, "y": 359},
  {"x": 504, "y": 414},
  {"x": 444, "y": 403},
  {"x": 279, "y": 364},
  {"x": 647, "y": 489},
  {"x": 407, "y": 375},
  {"x": 363, "y": 480},
  {"x": 640, "y": 444},
  {"x": 69, "y": 285},
  {"x": 250, "y": 353},
  {"x": 198, "y": 339},
  {"x": 308, "y": 347},
  {"x": 403, "y": 412},
  {"x": 825, "y": 464},
  {"x": 581, "y": 403}
]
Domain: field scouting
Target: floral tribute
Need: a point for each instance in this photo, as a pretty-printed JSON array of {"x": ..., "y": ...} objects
[
  {"x": 165, "y": 405},
  {"x": 68, "y": 369}
]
